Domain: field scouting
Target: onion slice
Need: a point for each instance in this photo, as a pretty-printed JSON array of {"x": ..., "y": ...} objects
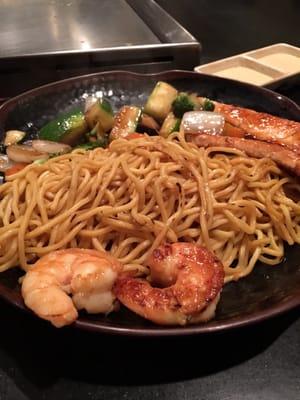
[
  {"x": 207, "y": 122},
  {"x": 24, "y": 154},
  {"x": 13, "y": 137},
  {"x": 5, "y": 163},
  {"x": 47, "y": 146}
]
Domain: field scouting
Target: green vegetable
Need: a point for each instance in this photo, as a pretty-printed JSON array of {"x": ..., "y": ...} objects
[
  {"x": 208, "y": 105},
  {"x": 52, "y": 155},
  {"x": 93, "y": 145},
  {"x": 126, "y": 122},
  {"x": 160, "y": 101},
  {"x": 176, "y": 126},
  {"x": 41, "y": 161},
  {"x": 170, "y": 124},
  {"x": 67, "y": 128},
  {"x": 101, "y": 113},
  {"x": 182, "y": 104}
]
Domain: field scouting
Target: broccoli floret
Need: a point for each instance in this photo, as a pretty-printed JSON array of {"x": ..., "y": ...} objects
[
  {"x": 182, "y": 104},
  {"x": 176, "y": 127},
  {"x": 208, "y": 105}
]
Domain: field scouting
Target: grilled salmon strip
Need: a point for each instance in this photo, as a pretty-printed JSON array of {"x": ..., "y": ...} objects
[
  {"x": 251, "y": 124},
  {"x": 253, "y": 148}
]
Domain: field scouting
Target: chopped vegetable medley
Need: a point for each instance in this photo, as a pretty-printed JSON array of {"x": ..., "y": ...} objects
[{"x": 97, "y": 125}]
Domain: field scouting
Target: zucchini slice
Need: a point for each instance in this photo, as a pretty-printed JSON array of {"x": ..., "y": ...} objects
[
  {"x": 170, "y": 124},
  {"x": 67, "y": 128},
  {"x": 101, "y": 112},
  {"x": 160, "y": 101},
  {"x": 126, "y": 122}
]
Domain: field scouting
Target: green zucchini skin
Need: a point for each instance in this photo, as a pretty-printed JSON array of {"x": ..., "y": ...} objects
[
  {"x": 100, "y": 112},
  {"x": 67, "y": 128}
]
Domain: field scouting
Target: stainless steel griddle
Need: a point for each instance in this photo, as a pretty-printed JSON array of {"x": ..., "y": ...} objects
[{"x": 46, "y": 40}]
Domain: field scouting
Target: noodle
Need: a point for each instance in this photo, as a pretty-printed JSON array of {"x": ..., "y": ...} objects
[{"x": 135, "y": 195}]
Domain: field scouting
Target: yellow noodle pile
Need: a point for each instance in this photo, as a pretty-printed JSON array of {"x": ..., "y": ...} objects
[{"x": 139, "y": 193}]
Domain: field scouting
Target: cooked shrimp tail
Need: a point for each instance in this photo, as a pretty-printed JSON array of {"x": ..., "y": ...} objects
[
  {"x": 189, "y": 280},
  {"x": 86, "y": 275}
]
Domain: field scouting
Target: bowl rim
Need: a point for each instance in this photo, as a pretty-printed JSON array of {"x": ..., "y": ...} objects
[
  {"x": 169, "y": 74},
  {"x": 14, "y": 298}
]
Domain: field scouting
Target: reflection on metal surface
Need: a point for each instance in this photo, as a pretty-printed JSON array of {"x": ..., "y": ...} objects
[
  {"x": 48, "y": 40},
  {"x": 162, "y": 24},
  {"x": 43, "y": 26}
]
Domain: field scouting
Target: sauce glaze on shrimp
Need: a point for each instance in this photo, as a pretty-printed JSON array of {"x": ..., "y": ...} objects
[{"x": 189, "y": 280}]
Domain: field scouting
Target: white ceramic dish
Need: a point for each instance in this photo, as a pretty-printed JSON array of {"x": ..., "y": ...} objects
[{"x": 262, "y": 67}]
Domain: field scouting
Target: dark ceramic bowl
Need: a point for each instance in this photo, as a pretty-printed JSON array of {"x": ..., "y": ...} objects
[{"x": 266, "y": 292}]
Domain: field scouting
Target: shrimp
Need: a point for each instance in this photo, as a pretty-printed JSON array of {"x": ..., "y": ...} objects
[
  {"x": 188, "y": 280},
  {"x": 87, "y": 275}
]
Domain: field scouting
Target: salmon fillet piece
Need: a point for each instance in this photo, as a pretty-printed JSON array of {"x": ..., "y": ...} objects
[
  {"x": 251, "y": 124},
  {"x": 253, "y": 148}
]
